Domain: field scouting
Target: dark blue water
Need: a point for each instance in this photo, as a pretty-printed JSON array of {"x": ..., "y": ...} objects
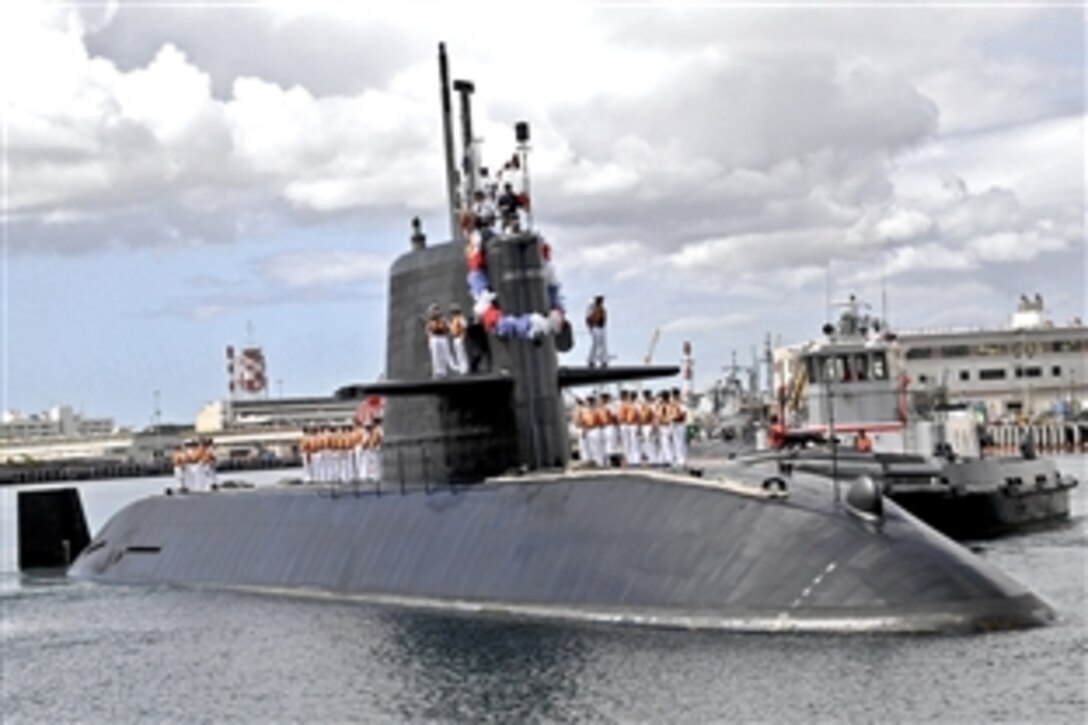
[{"x": 92, "y": 653}]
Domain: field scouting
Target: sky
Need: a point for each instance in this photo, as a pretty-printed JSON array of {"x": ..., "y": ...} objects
[{"x": 178, "y": 177}]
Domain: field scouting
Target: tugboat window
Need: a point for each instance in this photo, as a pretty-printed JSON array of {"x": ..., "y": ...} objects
[
  {"x": 919, "y": 353},
  {"x": 991, "y": 374},
  {"x": 965, "y": 374},
  {"x": 861, "y": 366},
  {"x": 832, "y": 370},
  {"x": 880, "y": 367},
  {"x": 846, "y": 370},
  {"x": 1056, "y": 371}
]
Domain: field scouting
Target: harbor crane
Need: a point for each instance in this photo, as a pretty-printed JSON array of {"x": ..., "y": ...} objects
[{"x": 649, "y": 356}]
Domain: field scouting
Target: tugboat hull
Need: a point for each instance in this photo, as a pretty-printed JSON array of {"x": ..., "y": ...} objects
[{"x": 965, "y": 499}]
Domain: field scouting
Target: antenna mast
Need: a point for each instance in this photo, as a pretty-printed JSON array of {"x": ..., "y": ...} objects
[{"x": 447, "y": 136}]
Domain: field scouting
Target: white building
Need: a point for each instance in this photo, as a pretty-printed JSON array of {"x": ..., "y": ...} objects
[
  {"x": 1030, "y": 368},
  {"x": 274, "y": 413},
  {"x": 58, "y": 422}
]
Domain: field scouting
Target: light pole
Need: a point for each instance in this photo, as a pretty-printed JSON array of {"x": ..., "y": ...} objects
[{"x": 156, "y": 451}]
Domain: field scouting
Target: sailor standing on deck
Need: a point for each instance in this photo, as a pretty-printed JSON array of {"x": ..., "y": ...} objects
[
  {"x": 629, "y": 428},
  {"x": 576, "y": 420},
  {"x": 179, "y": 468},
  {"x": 664, "y": 429},
  {"x": 679, "y": 416},
  {"x": 457, "y": 327},
  {"x": 646, "y": 428},
  {"x": 192, "y": 465},
  {"x": 439, "y": 341},
  {"x": 596, "y": 319},
  {"x": 358, "y": 441},
  {"x": 593, "y": 431},
  {"x": 612, "y": 446},
  {"x": 377, "y": 437},
  {"x": 306, "y": 448}
]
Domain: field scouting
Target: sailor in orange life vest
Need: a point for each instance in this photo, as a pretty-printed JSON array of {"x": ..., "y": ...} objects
[
  {"x": 374, "y": 450},
  {"x": 594, "y": 424},
  {"x": 577, "y": 416},
  {"x": 205, "y": 464},
  {"x": 628, "y": 414},
  {"x": 678, "y": 415},
  {"x": 863, "y": 443},
  {"x": 438, "y": 340},
  {"x": 596, "y": 319},
  {"x": 180, "y": 463},
  {"x": 613, "y": 448},
  {"x": 457, "y": 326},
  {"x": 646, "y": 428},
  {"x": 776, "y": 434},
  {"x": 664, "y": 429},
  {"x": 304, "y": 453}
]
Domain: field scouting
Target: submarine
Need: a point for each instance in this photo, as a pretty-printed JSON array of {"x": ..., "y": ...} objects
[{"x": 479, "y": 509}]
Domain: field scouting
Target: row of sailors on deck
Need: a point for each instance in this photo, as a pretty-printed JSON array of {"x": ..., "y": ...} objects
[
  {"x": 446, "y": 340},
  {"x": 194, "y": 465},
  {"x": 632, "y": 432},
  {"x": 342, "y": 454}
]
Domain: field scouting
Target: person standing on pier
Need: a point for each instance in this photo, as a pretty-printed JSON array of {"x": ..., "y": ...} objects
[{"x": 596, "y": 319}]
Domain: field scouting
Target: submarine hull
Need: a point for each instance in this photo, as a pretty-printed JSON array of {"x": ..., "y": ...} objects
[{"x": 614, "y": 546}]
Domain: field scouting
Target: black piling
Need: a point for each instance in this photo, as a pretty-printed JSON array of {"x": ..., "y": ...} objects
[{"x": 52, "y": 528}]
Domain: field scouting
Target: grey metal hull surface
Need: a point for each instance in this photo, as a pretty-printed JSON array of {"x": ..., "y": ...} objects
[{"x": 606, "y": 547}]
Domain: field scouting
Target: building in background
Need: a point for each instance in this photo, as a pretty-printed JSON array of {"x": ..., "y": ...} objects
[
  {"x": 60, "y": 421},
  {"x": 1030, "y": 368}
]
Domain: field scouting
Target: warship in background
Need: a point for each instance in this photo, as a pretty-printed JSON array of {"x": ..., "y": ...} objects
[
  {"x": 478, "y": 511},
  {"x": 926, "y": 452}
]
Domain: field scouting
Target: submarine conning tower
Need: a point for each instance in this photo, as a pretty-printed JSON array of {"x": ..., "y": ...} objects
[{"x": 507, "y": 412}]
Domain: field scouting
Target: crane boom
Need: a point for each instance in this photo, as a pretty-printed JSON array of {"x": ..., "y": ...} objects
[{"x": 652, "y": 346}]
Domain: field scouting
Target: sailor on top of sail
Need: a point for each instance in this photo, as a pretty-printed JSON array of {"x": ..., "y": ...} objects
[
  {"x": 457, "y": 327},
  {"x": 596, "y": 319},
  {"x": 439, "y": 342}
]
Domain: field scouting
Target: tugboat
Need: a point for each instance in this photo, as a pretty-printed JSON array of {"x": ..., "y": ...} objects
[
  {"x": 477, "y": 510},
  {"x": 853, "y": 414}
]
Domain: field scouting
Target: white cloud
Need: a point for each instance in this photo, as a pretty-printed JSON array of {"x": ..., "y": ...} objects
[
  {"x": 309, "y": 269},
  {"x": 707, "y": 323},
  {"x": 903, "y": 225},
  {"x": 701, "y": 149}
]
